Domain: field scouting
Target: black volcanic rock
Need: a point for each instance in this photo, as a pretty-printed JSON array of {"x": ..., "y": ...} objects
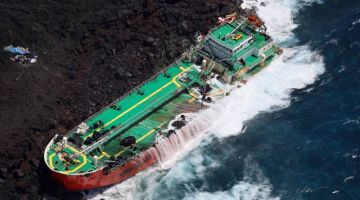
[
  {"x": 18, "y": 173},
  {"x": 90, "y": 53},
  {"x": 3, "y": 173}
]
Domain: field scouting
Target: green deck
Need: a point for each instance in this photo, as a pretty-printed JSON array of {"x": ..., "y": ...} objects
[
  {"x": 133, "y": 107},
  {"x": 219, "y": 36},
  {"x": 144, "y": 133},
  {"x": 156, "y": 121},
  {"x": 259, "y": 41},
  {"x": 146, "y": 111}
]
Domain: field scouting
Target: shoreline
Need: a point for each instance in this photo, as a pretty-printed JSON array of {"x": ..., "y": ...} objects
[{"x": 89, "y": 55}]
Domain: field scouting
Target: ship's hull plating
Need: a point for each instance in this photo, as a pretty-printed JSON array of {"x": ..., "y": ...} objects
[
  {"x": 185, "y": 76},
  {"x": 102, "y": 178}
]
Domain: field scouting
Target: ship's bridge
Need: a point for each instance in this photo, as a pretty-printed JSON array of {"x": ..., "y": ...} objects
[
  {"x": 228, "y": 39},
  {"x": 236, "y": 47}
]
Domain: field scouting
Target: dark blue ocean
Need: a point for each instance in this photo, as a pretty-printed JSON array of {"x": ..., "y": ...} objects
[{"x": 292, "y": 133}]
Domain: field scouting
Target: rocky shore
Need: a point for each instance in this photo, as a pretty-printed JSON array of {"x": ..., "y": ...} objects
[{"x": 90, "y": 53}]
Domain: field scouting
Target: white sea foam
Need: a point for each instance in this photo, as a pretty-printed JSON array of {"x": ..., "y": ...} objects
[
  {"x": 242, "y": 190},
  {"x": 268, "y": 91},
  {"x": 254, "y": 186}
]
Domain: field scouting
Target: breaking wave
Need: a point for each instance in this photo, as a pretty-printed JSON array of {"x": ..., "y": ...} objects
[
  {"x": 254, "y": 186},
  {"x": 269, "y": 90}
]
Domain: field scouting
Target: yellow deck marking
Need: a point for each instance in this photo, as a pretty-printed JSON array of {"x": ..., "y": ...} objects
[
  {"x": 139, "y": 140},
  {"x": 51, "y": 161},
  {"x": 146, "y": 98},
  {"x": 175, "y": 77},
  {"x": 103, "y": 153},
  {"x": 191, "y": 100},
  {"x": 134, "y": 106},
  {"x": 137, "y": 104},
  {"x": 121, "y": 152},
  {"x": 183, "y": 69},
  {"x": 193, "y": 94},
  {"x": 76, "y": 168},
  {"x": 145, "y": 136},
  {"x": 176, "y": 83},
  {"x": 82, "y": 164},
  {"x": 116, "y": 118}
]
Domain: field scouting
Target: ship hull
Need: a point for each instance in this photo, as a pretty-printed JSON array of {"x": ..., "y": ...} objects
[
  {"x": 127, "y": 130},
  {"x": 101, "y": 178}
]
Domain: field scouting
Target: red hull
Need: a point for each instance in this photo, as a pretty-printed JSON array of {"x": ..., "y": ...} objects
[{"x": 100, "y": 179}]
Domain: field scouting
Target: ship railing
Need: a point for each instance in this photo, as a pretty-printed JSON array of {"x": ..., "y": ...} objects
[
  {"x": 129, "y": 92},
  {"x": 261, "y": 44},
  {"x": 134, "y": 89},
  {"x": 239, "y": 24},
  {"x": 132, "y": 120},
  {"x": 72, "y": 131}
]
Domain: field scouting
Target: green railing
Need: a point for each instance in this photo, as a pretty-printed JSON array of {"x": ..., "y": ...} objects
[{"x": 156, "y": 103}]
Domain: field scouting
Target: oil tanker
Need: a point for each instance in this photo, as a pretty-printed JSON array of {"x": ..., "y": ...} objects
[{"x": 116, "y": 142}]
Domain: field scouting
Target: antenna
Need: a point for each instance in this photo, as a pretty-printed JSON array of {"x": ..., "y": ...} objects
[{"x": 236, "y": 28}]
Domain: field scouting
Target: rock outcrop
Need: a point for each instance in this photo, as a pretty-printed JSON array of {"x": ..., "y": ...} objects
[{"x": 90, "y": 53}]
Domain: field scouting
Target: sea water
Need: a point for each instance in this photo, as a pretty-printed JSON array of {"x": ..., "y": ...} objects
[{"x": 292, "y": 132}]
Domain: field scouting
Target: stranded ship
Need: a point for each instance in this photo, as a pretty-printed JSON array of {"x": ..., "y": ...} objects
[{"x": 114, "y": 143}]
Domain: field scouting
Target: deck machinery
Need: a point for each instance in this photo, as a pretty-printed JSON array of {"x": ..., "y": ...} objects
[{"x": 113, "y": 144}]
